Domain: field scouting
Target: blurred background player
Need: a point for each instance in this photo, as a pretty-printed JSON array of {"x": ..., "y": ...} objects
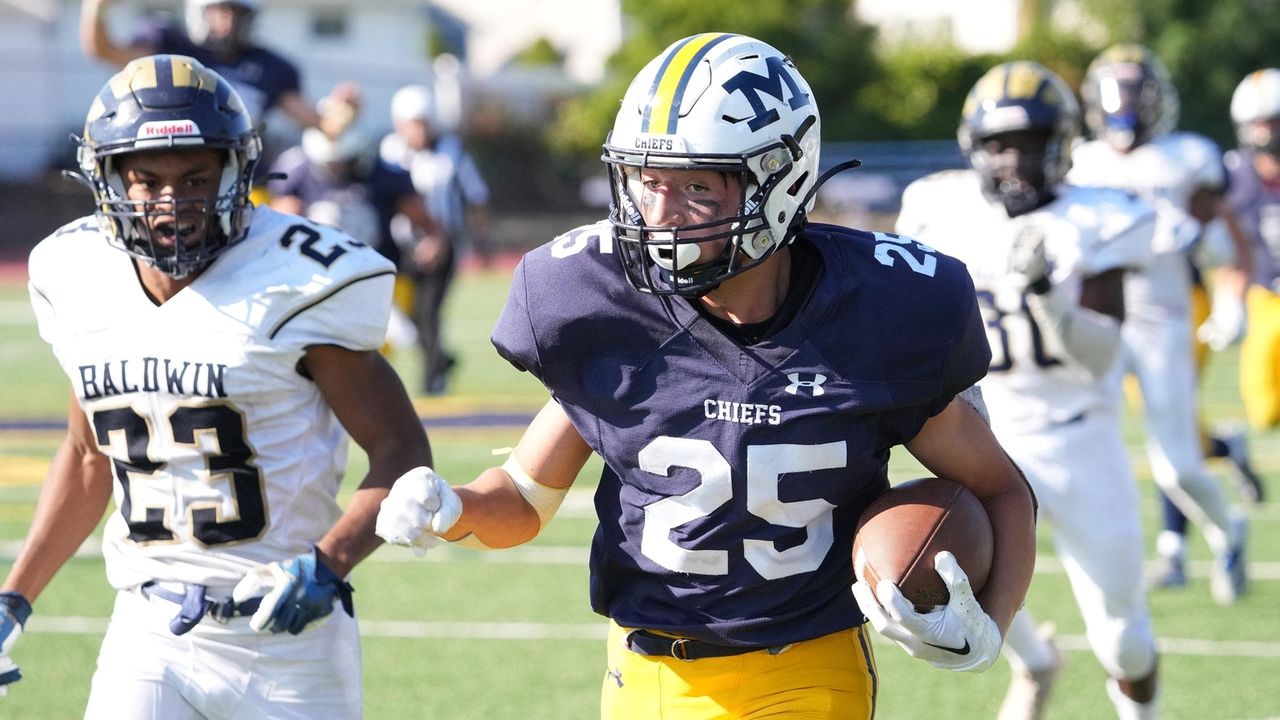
[
  {"x": 456, "y": 196},
  {"x": 219, "y": 34},
  {"x": 1131, "y": 107},
  {"x": 1048, "y": 262},
  {"x": 341, "y": 182},
  {"x": 1254, "y": 195},
  {"x": 218, "y": 355},
  {"x": 744, "y": 375}
]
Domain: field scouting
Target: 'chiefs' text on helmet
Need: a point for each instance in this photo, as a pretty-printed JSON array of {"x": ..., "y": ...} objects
[
  {"x": 1025, "y": 98},
  {"x": 169, "y": 103},
  {"x": 720, "y": 102},
  {"x": 1128, "y": 97}
]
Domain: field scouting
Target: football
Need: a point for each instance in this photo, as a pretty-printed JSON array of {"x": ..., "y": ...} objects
[{"x": 905, "y": 527}]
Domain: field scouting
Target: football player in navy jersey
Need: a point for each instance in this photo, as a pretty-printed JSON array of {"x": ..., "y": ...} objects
[
  {"x": 745, "y": 402},
  {"x": 219, "y": 358}
]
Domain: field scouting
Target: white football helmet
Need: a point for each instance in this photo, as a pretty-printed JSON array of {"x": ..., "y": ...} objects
[
  {"x": 198, "y": 26},
  {"x": 715, "y": 101},
  {"x": 413, "y": 102},
  {"x": 1255, "y": 108}
]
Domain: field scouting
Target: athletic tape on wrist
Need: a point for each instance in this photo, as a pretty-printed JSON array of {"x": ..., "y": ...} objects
[{"x": 544, "y": 500}]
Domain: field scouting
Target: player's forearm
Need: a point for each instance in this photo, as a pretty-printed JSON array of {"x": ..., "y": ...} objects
[
  {"x": 95, "y": 40},
  {"x": 495, "y": 512},
  {"x": 72, "y": 501},
  {"x": 1013, "y": 529}
]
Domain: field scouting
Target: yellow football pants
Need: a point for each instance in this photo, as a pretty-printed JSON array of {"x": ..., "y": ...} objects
[
  {"x": 828, "y": 677},
  {"x": 1260, "y": 359}
]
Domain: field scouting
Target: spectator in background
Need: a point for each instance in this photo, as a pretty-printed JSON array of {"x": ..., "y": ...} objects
[
  {"x": 456, "y": 195},
  {"x": 342, "y": 182},
  {"x": 217, "y": 33}
]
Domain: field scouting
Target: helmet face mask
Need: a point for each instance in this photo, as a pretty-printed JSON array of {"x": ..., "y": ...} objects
[
  {"x": 164, "y": 105},
  {"x": 1017, "y": 127},
  {"x": 723, "y": 103},
  {"x": 1129, "y": 97}
]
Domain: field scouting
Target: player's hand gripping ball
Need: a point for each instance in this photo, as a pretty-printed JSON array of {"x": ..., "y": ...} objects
[{"x": 903, "y": 530}]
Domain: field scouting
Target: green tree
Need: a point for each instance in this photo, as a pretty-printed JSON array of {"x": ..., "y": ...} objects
[{"x": 832, "y": 49}]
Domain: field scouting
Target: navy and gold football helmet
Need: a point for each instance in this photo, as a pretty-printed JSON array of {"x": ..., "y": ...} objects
[
  {"x": 169, "y": 103},
  {"x": 1128, "y": 97},
  {"x": 721, "y": 102},
  {"x": 1027, "y": 100}
]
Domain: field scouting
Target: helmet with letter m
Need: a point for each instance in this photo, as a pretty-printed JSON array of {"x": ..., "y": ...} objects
[
  {"x": 1020, "y": 98},
  {"x": 1128, "y": 96},
  {"x": 719, "y": 102},
  {"x": 170, "y": 103}
]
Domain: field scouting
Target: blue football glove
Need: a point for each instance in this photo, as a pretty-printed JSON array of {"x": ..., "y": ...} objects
[
  {"x": 14, "y": 611},
  {"x": 295, "y": 593}
]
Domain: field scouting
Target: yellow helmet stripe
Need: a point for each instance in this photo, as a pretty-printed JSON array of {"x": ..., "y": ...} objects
[{"x": 669, "y": 84}]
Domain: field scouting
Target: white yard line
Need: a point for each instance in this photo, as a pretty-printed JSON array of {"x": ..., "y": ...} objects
[{"x": 524, "y": 631}]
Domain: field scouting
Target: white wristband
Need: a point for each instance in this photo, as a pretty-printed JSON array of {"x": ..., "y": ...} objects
[{"x": 544, "y": 500}]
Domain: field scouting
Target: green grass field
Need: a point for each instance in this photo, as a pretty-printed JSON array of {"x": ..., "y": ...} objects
[{"x": 490, "y": 636}]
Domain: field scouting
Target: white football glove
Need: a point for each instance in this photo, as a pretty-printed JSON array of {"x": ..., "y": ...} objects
[
  {"x": 960, "y": 636},
  {"x": 420, "y": 507},
  {"x": 1027, "y": 260},
  {"x": 1225, "y": 325}
]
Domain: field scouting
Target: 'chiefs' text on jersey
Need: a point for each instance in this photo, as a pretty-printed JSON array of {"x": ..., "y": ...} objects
[{"x": 735, "y": 474}]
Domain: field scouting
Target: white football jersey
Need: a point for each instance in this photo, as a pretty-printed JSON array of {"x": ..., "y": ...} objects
[
  {"x": 1087, "y": 231},
  {"x": 224, "y": 455},
  {"x": 1165, "y": 172}
]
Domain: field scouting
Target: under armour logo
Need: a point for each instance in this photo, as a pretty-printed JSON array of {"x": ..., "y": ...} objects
[{"x": 814, "y": 385}]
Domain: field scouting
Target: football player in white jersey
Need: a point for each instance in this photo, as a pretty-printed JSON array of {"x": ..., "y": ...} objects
[
  {"x": 218, "y": 356},
  {"x": 1048, "y": 262},
  {"x": 1131, "y": 107}
]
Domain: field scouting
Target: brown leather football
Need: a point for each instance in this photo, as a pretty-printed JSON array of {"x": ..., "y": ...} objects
[{"x": 902, "y": 530}]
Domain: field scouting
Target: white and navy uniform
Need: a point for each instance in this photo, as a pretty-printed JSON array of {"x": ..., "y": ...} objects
[
  {"x": 1044, "y": 407},
  {"x": 224, "y": 455},
  {"x": 1158, "y": 341}
]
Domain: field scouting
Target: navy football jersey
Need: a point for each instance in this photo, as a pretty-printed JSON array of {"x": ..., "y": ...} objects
[{"x": 735, "y": 475}]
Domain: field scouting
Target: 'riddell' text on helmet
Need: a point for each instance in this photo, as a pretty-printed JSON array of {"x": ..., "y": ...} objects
[
  {"x": 1019, "y": 97},
  {"x": 725, "y": 103},
  {"x": 170, "y": 103}
]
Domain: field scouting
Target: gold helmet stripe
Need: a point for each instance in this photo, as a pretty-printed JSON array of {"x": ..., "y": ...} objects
[{"x": 663, "y": 109}]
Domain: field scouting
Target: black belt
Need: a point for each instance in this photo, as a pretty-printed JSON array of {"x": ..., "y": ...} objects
[
  {"x": 644, "y": 642},
  {"x": 194, "y": 604}
]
